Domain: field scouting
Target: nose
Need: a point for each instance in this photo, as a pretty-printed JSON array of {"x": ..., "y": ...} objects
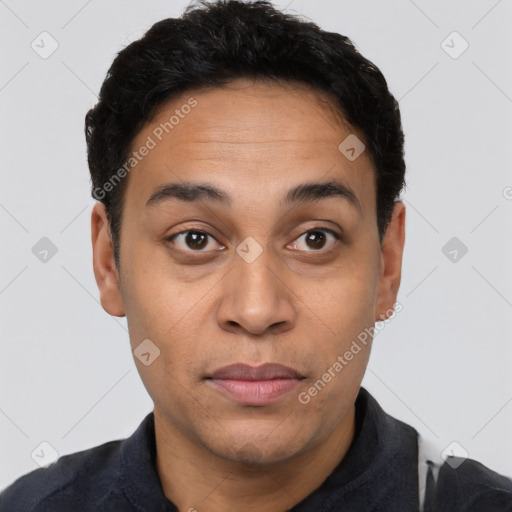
[{"x": 256, "y": 298}]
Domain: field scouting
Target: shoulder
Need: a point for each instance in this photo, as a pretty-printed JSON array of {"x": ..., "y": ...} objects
[
  {"x": 469, "y": 486},
  {"x": 90, "y": 472}
]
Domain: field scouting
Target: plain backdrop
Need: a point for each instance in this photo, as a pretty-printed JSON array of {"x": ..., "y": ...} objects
[{"x": 442, "y": 365}]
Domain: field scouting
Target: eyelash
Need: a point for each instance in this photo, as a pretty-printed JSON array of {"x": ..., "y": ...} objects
[{"x": 311, "y": 230}]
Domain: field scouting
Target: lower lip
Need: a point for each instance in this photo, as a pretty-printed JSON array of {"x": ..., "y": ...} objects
[{"x": 255, "y": 392}]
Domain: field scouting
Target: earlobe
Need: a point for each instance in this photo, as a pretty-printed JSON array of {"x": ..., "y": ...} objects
[
  {"x": 105, "y": 270},
  {"x": 391, "y": 262}
]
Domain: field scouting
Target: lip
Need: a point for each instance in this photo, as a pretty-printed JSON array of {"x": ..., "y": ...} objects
[{"x": 250, "y": 385}]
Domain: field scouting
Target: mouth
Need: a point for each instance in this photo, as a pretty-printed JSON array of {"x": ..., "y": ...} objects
[{"x": 257, "y": 386}]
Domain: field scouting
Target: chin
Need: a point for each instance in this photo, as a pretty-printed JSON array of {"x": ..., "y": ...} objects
[{"x": 258, "y": 452}]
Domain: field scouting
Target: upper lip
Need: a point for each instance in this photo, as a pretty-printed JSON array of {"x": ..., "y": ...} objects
[{"x": 267, "y": 371}]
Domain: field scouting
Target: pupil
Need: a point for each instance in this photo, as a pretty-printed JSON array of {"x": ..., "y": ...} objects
[
  {"x": 192, "y": 240},
  {"x": 317, "y": 238}
]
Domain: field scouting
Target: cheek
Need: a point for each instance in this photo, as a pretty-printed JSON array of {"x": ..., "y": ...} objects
[
  {"x": 348, "y": 298},
  {"x": 162, "y": 318},
  {"x": 155, "y": 299},
  {"x": 345, "y": 311},
  {"x": 173, "y": 315}
]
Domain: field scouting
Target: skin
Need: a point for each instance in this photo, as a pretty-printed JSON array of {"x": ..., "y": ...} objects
[{"x": 296, "y": 304}]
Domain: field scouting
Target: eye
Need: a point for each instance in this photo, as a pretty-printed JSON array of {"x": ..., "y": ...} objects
[
  {"x": 196, "y": 241},
  {"x": 192, "y": 240},
  {"x": 315, "y": 239}
]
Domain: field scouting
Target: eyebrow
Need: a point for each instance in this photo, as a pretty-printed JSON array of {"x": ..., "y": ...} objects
[{"x": 305, "y": 192}]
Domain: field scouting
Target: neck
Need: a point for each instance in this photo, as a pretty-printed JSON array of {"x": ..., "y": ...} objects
[{"x": 192, "y": 477}]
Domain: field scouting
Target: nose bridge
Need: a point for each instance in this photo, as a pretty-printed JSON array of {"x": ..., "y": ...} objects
[
  {"x": 254, "y": 275},
  {"x": 255, "y": 298},
  {"x": 253, "y": 268}
]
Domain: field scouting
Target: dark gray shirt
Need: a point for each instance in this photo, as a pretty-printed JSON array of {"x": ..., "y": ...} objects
[{"x": 378, "y": 474}]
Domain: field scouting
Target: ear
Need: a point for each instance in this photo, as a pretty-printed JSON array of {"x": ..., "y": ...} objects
[
  {"x": 391, "y": 262},
  {"x": 105, "y": 270}
]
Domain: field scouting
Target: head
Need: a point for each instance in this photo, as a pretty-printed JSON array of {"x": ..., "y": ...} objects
[{"x": 247, "y": 166}]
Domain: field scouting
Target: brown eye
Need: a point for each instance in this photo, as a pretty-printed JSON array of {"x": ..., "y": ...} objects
[
  {"x": 191, "y": 240},
  {"x": 196, "y": 241},
  {"x": 315, "y": 239}
]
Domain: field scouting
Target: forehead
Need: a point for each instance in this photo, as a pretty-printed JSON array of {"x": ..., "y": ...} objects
[
  {"x": 258, "y": 112},
  {"x": 248, "y": 134}
]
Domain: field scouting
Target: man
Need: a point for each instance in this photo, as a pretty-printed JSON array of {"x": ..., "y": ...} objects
[{"x": 247, "y": 167}]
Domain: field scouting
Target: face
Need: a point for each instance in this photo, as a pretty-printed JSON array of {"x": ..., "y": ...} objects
[{"x": 249, "y": 269}]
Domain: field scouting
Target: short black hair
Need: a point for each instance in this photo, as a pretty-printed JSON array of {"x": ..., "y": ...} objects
[{"x": 215, "y": 42}]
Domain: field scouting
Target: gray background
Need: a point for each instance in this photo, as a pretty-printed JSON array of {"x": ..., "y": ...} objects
[{"x": 443, "y": 363}]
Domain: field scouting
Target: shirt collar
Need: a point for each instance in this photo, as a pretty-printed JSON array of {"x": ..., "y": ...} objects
[
  {"x": 379, "y": 467},
  {"x": 379, "y": 471},
  {"x": 139, "y": 476}
]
